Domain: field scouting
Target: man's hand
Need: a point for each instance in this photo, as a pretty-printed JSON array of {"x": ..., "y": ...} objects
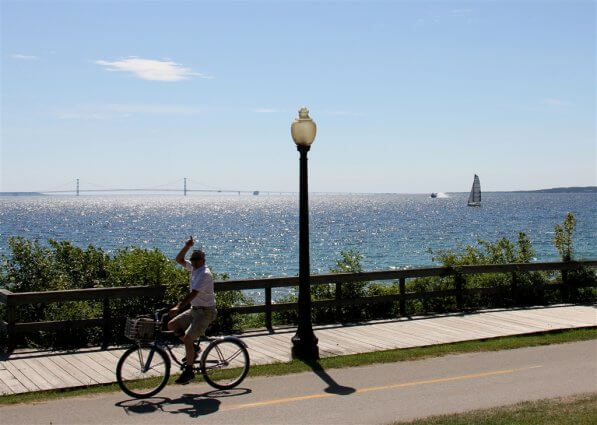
[
  {"x": 187, "y": 245},
  {"x": 173, "y": 312}
]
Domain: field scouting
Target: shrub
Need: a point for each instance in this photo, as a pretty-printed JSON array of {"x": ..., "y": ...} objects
[{"x": 61, "y": 265}]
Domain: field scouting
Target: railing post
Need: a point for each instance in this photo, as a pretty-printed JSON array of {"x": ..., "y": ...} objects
[
  {"x": 458, "y": 283},
  {"x": 338, "y": 296},
  {"x": 565, "y": 290},
  {"x": 268, "y": 308},
  {"x": 402, "y": 295},
  {"x": 107, "y": 325},
  {"x": 514, "y": 289},
  {"x": 10, "y": 327}
]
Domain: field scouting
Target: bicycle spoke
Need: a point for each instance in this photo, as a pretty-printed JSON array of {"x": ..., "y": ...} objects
[
  {"x": 225, "y": 363},
  {"x": 140, "y": 363}
]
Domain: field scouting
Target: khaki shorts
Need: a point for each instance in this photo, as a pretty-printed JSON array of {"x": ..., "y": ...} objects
[{"x": 195, "y": 321}]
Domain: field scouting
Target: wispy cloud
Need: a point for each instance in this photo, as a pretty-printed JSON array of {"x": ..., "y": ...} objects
[
  {"x": 111, "y": 111},
  {"x": 265, "y": 110},
  {"x": 152, "y": 70},
  {"x": 343, "y": 113},
  {"x": 556, "y": 103},
  {"x": 24, "y": 57},
  {"x": 462, "y": 13}
]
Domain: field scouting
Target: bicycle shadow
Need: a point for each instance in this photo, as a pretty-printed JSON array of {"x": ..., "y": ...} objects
[
  {"x": 197, "y": 404},
  {"x": 333, "y": 386}
]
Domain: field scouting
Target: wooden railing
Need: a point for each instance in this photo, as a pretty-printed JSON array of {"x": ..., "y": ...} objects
[{"x": 14, "y": 300}]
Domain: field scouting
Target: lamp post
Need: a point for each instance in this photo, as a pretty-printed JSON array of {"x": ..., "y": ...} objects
[{"x": 304, "y": 342}]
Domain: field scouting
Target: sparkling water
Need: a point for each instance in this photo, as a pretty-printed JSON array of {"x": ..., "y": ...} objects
[{"x": 257, "y": 236}]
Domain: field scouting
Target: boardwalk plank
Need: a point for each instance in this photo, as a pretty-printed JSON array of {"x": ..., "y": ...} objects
[
  {"x": 11, "y": 383},
  {"x": 351, "y": 343},
  {"x": 353, "y": 332},
  {"x": 30, "y": 370},
  {"x": 23, "y": 380},
  {"x": 77, "y": 361},
  {"x": 268, "y": 349},
  {"x": 4, "y": 388},
  {"x": 72, "y": 370},
  {"x": 42, "y": 378},
  {"x": 56, "y": 368}
]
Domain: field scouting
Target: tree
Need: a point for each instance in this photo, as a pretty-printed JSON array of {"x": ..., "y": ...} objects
[{"x": 563, "y": 237}]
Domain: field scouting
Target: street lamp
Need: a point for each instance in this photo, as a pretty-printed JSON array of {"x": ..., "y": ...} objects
[{"x": 304, "y": 342}]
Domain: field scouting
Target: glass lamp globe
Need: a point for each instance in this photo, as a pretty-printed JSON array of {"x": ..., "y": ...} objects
[{"x": 303, "y": 129}]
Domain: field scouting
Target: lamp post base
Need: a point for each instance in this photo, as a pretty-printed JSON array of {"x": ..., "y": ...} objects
[{"x": 305, "y": 348}]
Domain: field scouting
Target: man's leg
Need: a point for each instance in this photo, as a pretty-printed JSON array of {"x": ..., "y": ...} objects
[{"x": 189, "y": 349}]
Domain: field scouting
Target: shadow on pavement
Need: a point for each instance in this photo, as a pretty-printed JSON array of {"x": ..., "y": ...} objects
[
  {"x": 198, "y": 404},
  {"x": 333, "y": 386}
]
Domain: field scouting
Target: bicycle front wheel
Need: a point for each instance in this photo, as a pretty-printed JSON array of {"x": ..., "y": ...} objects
[
  {"x": 225, "y": 363},
  {"x": 143, "y": 370}
]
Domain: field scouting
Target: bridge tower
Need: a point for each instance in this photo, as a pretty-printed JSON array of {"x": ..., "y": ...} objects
[
  {"x": 77, "y": 187},
  {"x": 185, "y": 186}
]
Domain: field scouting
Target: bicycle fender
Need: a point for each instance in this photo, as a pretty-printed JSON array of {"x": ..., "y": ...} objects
[{"x": 232, "y": 338}]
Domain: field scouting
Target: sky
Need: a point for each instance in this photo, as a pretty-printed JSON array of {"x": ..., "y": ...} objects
[{"x": 408, "y": 96}]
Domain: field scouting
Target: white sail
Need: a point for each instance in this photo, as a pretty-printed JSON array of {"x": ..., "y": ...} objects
[{"x": 474, "y": 199}]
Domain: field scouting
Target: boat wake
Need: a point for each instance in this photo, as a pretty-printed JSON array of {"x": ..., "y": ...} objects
[{"x": 442, "y": 195}]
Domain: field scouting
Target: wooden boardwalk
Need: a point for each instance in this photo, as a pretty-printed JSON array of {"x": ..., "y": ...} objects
[{"x": 29, "y": 370}]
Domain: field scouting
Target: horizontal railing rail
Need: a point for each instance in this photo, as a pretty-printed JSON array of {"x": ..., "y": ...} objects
[{"x": 13, "y": 300}]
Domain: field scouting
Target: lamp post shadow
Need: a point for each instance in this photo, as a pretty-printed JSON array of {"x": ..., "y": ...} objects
[{"x": 333, "y": 386}]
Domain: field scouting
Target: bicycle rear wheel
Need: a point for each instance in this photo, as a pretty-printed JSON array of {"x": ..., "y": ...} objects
[
  {"x": 143, "y": 362},
  {"x": 225, "y": 363}
]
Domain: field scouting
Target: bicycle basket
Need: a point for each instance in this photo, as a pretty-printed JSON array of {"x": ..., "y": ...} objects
[{"x": 139, "y": 328}]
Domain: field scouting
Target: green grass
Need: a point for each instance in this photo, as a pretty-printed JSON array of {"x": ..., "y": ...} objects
[
  {"x": 388, "y": 356},
  {"x": 575, "y": 410}
]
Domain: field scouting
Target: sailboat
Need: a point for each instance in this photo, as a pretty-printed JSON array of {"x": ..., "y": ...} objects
[{"x": 474, "y": 199}]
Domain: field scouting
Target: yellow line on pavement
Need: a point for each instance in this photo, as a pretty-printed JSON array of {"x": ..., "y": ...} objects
[
  {"x": 447, "y": 379},
  {"x": 380, "y": 388}
]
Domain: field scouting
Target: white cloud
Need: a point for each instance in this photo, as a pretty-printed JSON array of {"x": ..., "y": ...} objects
[
  {"x": 461, "y": 13},
  {"x": 24, "y": 57},
  {"x": 343, "y": 113},
  {"x": 150, "y": 69},
  {"x": 556, "y": 103},
  {"x": 115, "y": 110}
]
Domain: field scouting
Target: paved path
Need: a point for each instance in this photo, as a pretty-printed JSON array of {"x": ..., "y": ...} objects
[
  {"x": 28, "y": 370},
  {"x": 373, "y": 394}
]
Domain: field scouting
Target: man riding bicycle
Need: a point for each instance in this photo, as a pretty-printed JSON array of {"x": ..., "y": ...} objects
[{"x": 192, "y": 323}]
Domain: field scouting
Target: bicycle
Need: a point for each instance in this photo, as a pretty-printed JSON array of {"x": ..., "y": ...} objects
[{"x": 224, "y": 363}]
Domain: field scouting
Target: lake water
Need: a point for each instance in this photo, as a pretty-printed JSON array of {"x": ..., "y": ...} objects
[{"x": 255, "y": 236}]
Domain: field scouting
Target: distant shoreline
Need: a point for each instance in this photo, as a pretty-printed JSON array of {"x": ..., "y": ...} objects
[
  {"x": 572, "y": 189},
  {"x": 22, "y": 194}
]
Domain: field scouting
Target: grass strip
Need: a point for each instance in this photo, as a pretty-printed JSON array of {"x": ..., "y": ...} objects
[
  {"x": 574, "y": 410},
  {"x": 351, "y": 360}
]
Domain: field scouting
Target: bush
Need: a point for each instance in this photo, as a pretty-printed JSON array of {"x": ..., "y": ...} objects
[
  {"x": 579, "y": 277},
  {"x": 61, "y": 265}
]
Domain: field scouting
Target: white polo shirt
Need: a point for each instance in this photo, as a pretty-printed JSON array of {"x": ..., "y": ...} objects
[{"x": 202, "y": 282}]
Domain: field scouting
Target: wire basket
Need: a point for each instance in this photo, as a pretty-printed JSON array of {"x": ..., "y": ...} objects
[{"x": 140, "y": 328}]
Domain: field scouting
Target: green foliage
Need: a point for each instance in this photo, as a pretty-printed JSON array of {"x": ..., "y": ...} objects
[
  {"x": 501, "y": 252},
  {"x": 563, "y": 237},
  {"x": 527, "y": 289},
  {"x": 579, "y": 277},
  {"x": 62, "y": 266}
]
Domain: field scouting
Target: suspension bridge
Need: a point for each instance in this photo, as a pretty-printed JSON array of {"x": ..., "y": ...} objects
[{"x": 183, "y": 186}]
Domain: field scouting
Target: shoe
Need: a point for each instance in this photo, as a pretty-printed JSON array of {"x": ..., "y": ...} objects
[{"x": 186, "y": 376}]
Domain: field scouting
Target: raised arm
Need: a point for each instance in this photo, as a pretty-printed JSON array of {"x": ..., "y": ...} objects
[{"x": 187, "y": 245}]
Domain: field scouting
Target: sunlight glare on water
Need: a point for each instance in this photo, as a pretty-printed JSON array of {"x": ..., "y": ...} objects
[{"x": 255, "y": 236}]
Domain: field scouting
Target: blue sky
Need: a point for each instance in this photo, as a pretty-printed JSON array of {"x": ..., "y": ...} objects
[{"x": 409, "y": 97}]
